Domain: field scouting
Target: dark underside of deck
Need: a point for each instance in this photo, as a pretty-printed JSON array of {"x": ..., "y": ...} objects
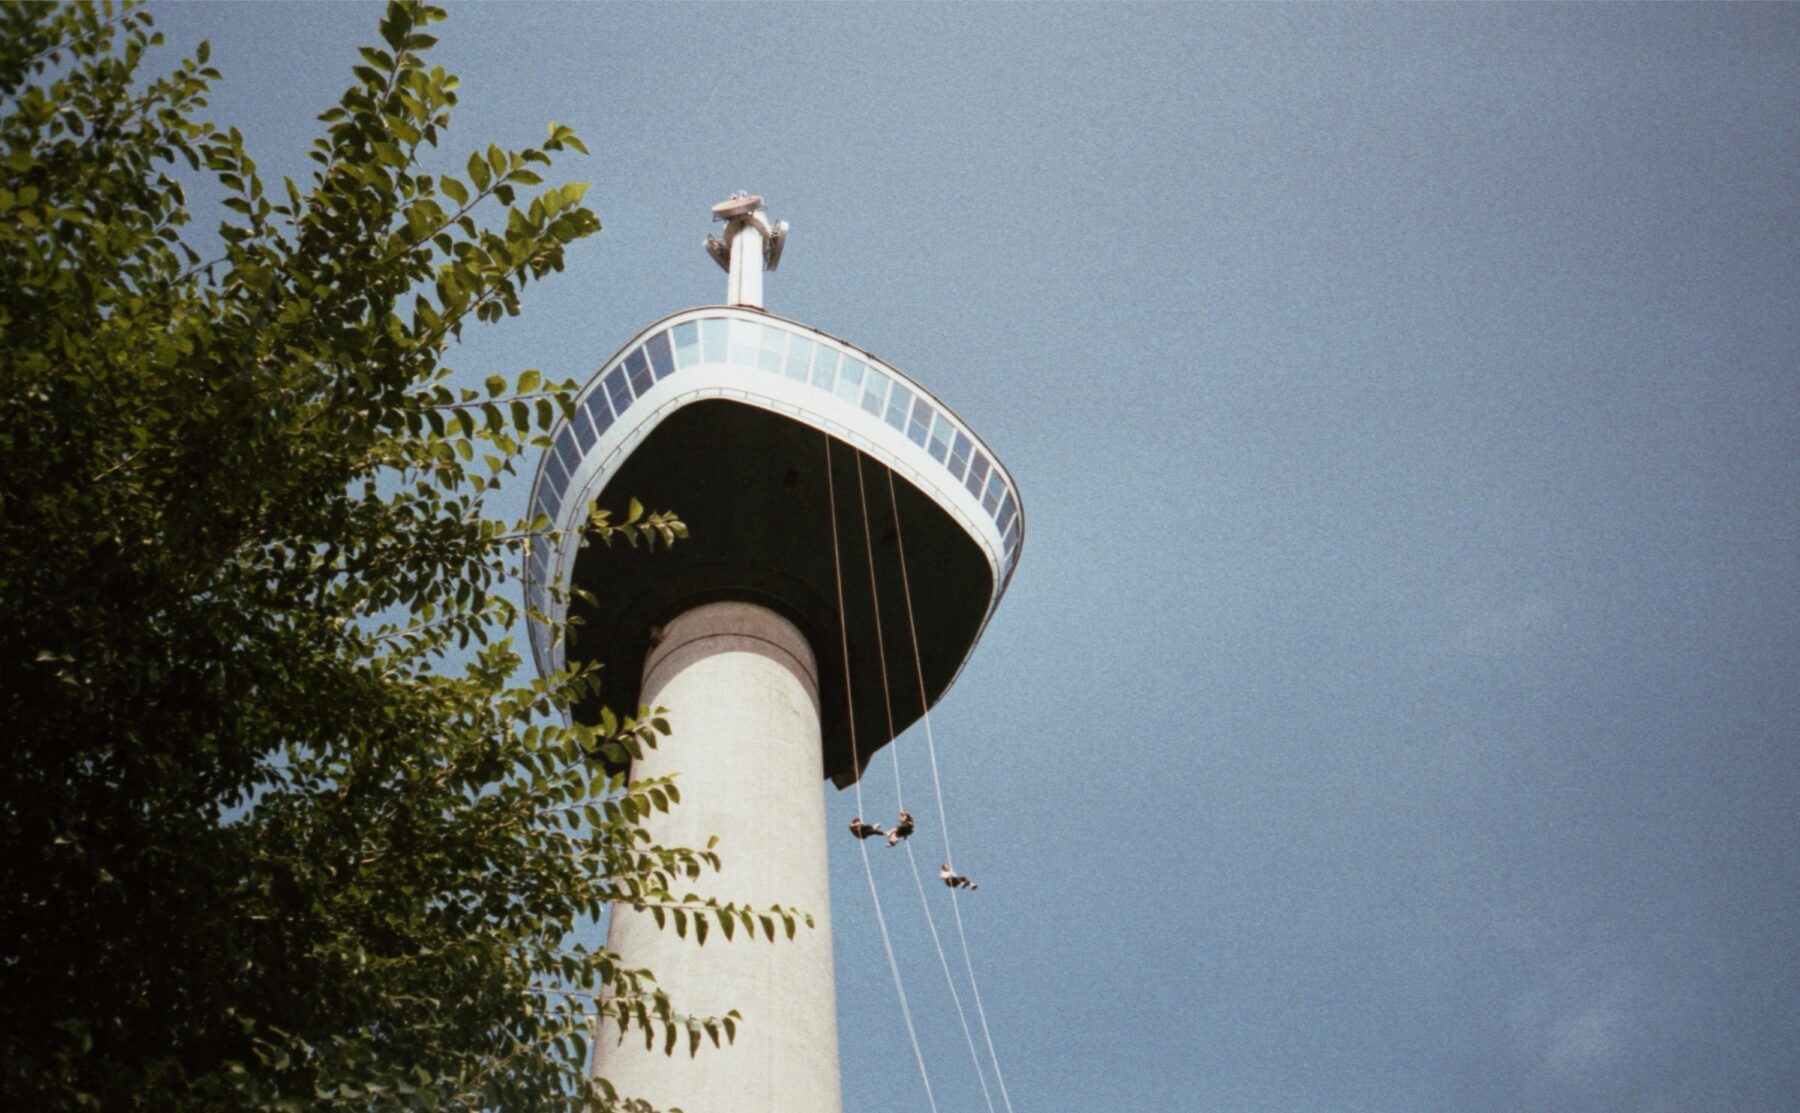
[{"x": 752, "y": 487}]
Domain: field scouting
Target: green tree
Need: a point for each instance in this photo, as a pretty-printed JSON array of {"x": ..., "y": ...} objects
[{"x": 281, "y": 828}]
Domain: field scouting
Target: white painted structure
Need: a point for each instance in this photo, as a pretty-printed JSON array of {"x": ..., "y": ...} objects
[
  {"x": 750, "y": 246},
  {"x": 741, "y": 681},
  {"x": 782, "y": 366},
  {"x": 743, "y": 686}
]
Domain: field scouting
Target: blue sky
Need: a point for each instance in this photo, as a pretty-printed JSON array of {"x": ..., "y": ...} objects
[{"x": 1396, "y": 705}]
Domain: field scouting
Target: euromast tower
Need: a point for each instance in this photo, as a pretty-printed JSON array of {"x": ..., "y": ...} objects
[{"x": 778, "y": 445}]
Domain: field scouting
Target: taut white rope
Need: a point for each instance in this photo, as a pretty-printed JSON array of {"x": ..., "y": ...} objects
[
  {"x": 943, "y": 820},
  {"x": 856, "y": 767},
  {"x": 894, "y": 753}
]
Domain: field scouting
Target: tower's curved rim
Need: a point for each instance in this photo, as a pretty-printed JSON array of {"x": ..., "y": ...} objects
[{"x": 750, "y": 356}]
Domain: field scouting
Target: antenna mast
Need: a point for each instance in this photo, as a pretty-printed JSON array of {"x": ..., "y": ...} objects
[{"x": 750, "y": 246}]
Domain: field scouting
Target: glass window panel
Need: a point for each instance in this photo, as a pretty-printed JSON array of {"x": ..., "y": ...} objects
[
  {"x": 850, "y": 377},
  {"x": 774, "y": 347},
  {"x": 940, "y": 438},
  {"x": 920, "y": 425},
  {"x": 1008, "y": 511},
  {"x": 824, "y": 367},
  {"x": 712, "y": 339},
  {"x": 746, "y": 337},
  {"x": 566, "y": 447},
  {"x": 554, "y": 472},
  {"x": 978, "y": 473},
  {"x": 687, "y": 344},
  {"x": 597, "y": 411},
  {"x": 548, "y": 502},
  {"x": 875, "y": 388},
  {"x": 900, "y": 402},
  {"x": 959, "y": 454},
  {"x": 639, "y": 369},
  {"x": 618, "y": 390},
  {"x": 799, "y": 358},
  {"x": 584, "y": 435},
  {"x": 990, "y": 498},
  {"x": 1012, "y": 539},
  {"x": 661, "y": 360}
]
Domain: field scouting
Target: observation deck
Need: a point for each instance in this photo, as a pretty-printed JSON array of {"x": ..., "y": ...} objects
[{"x": 726, "y": 416}]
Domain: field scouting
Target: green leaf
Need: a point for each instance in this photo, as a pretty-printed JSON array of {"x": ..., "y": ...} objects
[{"x": 287, "y": 602}]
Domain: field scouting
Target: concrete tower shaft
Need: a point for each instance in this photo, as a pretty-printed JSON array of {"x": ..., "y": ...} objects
[{"x": 742, "y": 685}]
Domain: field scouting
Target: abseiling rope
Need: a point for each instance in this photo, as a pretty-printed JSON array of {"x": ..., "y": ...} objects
[
  {"x": 943, "y": 820},
  {"x": 894, "y": 753},
  {"x": 944, "y": 964},
  {"x": 856, "y": 764}
]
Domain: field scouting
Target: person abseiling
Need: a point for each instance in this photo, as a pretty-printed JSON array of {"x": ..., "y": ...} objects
[
  {"x": 902, "y": 829},
  {"x": 955, "y": 880}
]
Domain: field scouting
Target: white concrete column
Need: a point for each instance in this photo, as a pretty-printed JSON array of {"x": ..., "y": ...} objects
[
  {"x": 741, "y": 686},
  {"x": 745, "y": 283}
]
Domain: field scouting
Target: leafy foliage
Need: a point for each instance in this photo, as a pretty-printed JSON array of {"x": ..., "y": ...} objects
[{"x": 282, "y": 830}]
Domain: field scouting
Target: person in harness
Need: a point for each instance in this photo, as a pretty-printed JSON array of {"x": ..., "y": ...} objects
[
  {"x": 902, "y": 829},
  {"x": 863, "y": 830},
  {"x": 955, "y": 880}
]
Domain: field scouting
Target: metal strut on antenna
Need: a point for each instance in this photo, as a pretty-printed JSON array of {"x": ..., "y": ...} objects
[{"x": 750, "y": 246}]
